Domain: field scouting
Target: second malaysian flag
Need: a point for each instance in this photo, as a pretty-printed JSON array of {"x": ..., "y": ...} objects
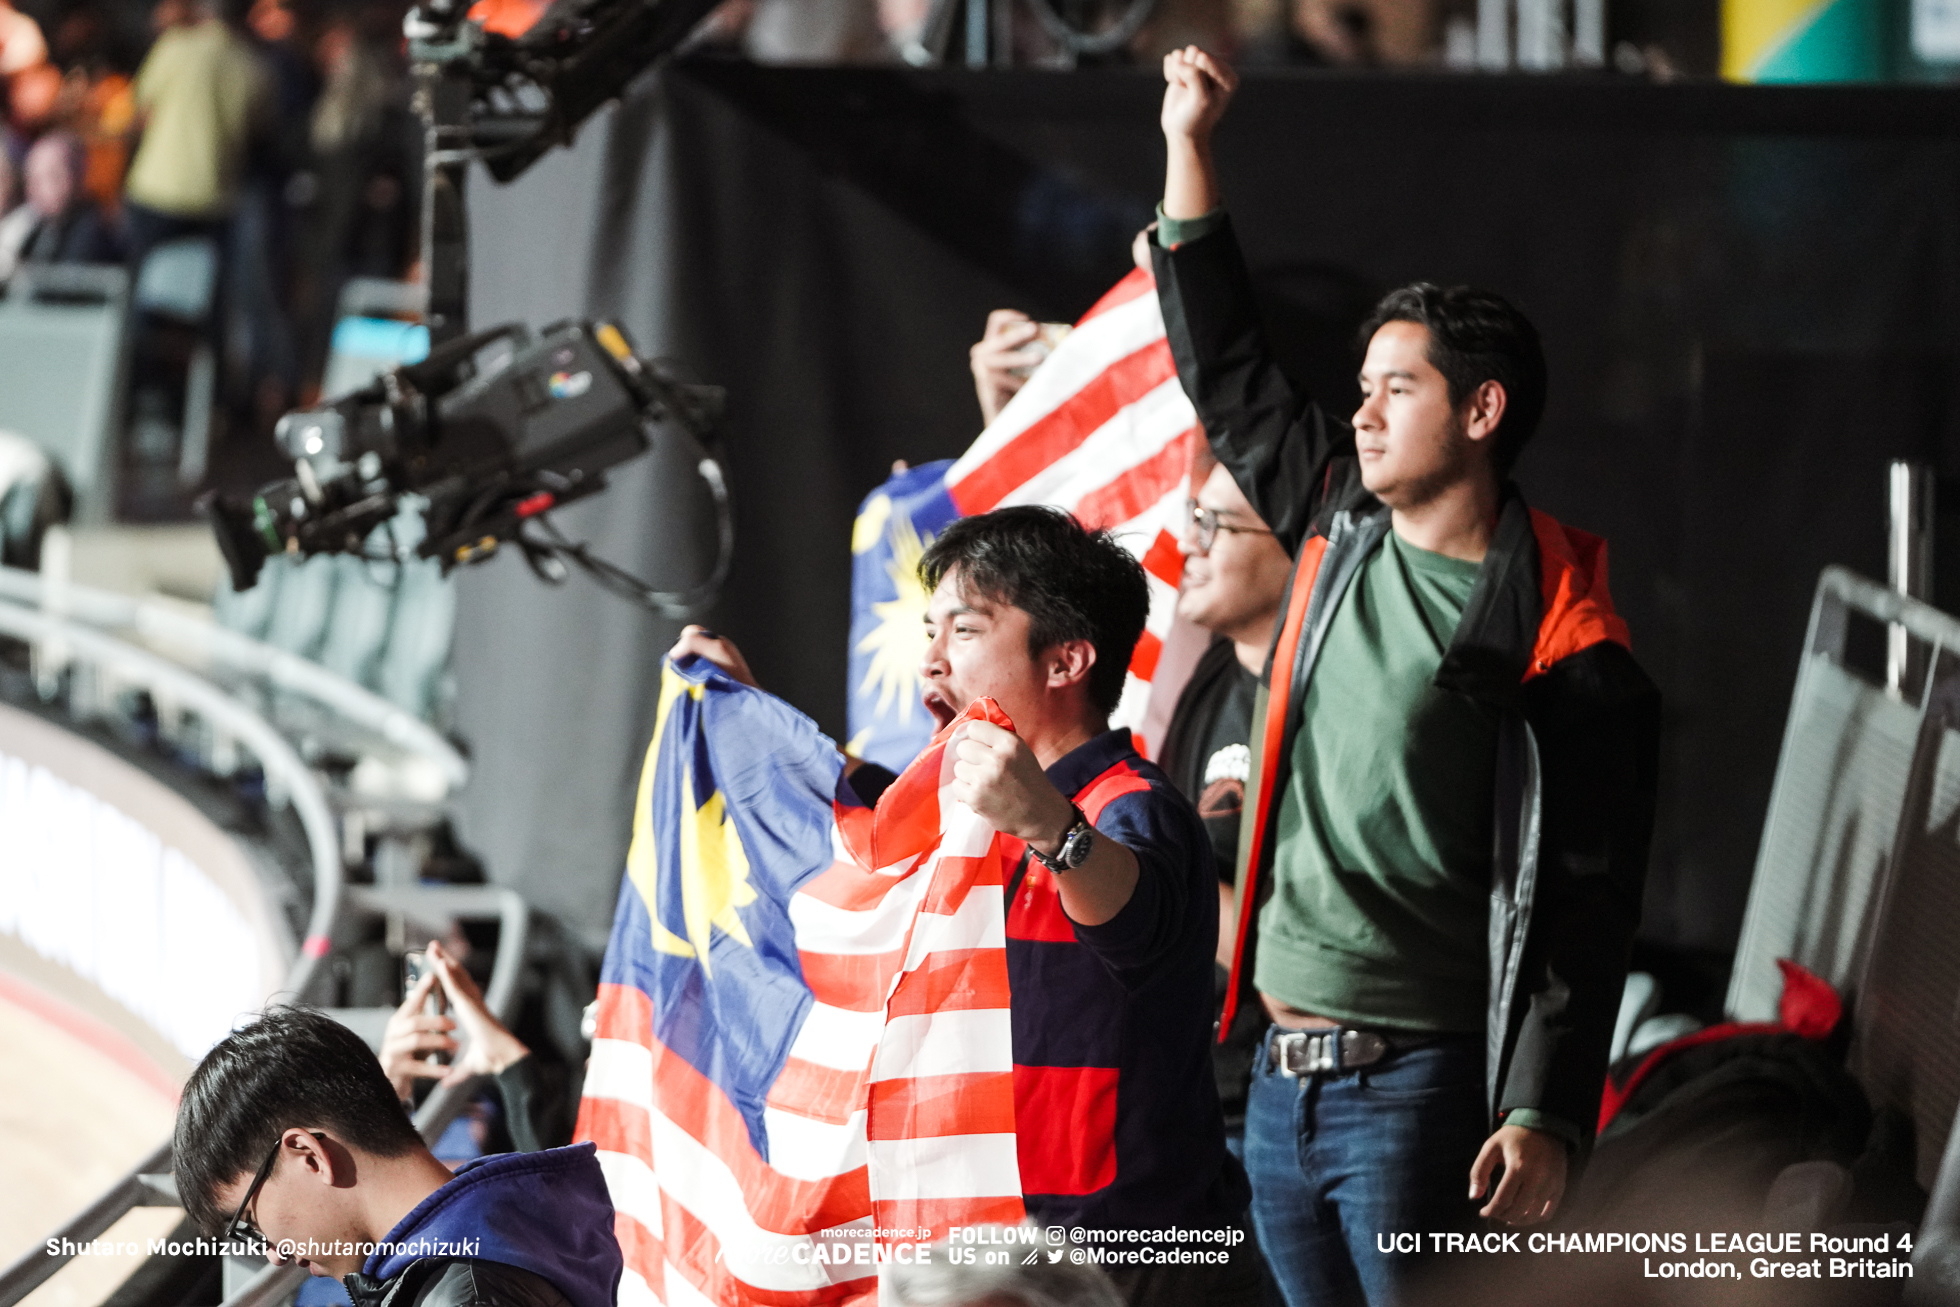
[
  {"x": 1102, "y": 429},
  {"x": 803, "y": 1041}
]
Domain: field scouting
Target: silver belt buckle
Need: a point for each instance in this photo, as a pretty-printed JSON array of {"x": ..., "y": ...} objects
[{"x": 1299, "y": 1053}]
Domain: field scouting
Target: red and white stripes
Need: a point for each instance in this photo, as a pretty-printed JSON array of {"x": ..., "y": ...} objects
[
  {"x": 895, "y": 1106},
  {"x": 1102, "y": 429}
]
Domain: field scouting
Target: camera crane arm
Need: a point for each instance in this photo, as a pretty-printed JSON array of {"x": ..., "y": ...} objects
[
  {"x": 495, "y": 429},
  {"x": 505, "y": 101}
]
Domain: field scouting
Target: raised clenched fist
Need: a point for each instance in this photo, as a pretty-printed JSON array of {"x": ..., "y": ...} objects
[{"x": 1198, "y": 87}]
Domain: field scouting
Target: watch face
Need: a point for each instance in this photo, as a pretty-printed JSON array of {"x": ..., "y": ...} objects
[{"x": 1075, "y": 850}]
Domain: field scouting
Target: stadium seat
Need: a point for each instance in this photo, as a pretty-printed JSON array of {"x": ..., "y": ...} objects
[
  {"x": 178, "y": 283},
  {"x": 63, "y": 356},
  {"x": 179, "y": 279},
  {"x": 414, "y": 669},
  {"x": 302, "y": 607},
  {"x": 357, "y": 628},
  {"x": 249, "y": 612}
]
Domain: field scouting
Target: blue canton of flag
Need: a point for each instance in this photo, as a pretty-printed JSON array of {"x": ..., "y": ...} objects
[
  {"x": 888, "y": 723},
  {"x": 804, "y": 1038},
  {"x": 708, "y": 936}
]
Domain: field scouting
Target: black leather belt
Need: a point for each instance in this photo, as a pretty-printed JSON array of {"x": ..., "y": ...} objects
[{"x": 1308, "y": 1052}]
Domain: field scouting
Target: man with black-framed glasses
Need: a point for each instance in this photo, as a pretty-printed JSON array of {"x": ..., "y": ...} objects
[
  {"x": 345, "y": 1187},
  {"x": 1234, "y": 577},
  {"x": 242, "y": 1229}
]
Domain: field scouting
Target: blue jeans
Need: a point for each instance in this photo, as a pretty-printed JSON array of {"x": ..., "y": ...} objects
[{"x": 1338, "y": 1159}]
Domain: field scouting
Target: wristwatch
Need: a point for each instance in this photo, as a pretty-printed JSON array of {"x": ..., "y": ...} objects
[{"x": 1077, "y": 840}]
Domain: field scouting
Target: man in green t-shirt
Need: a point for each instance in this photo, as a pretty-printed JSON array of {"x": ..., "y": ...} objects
[
  {"x": 200, "y": 94},
  {"x": 1453, "y": 766}
]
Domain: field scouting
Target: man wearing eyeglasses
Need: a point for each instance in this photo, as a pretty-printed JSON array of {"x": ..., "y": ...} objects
[
  {"x": 290, "y": 1127},
  {"x": 1235, "y": 573}
]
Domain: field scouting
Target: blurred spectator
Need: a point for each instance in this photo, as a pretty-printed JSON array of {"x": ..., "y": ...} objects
[
  {"x": 21, "y": 43},
  {"x": 262, "y": 368},
  {"x": 358, "y": 87},
  {"x": 200, "y": 93},
  {"x": 59, "y": 223},
  {"x": 33, "y": 97},
  {"x": 1175, "y": 24},
  {"x": 96, "y": 100},
  {"x": 1340, "y": 33},
  {"x": 816, "y": 31},
  {"x": 90, "y": 39},
  {"x": 362, "y": 193},
  {"x": 413, "y": 1037},
  {"x": 285, "y": 49}
]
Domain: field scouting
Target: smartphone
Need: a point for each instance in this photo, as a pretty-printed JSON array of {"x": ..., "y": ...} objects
[
  {"x": 416, "y": 965},
  {"x": 1050, "y": 335}
]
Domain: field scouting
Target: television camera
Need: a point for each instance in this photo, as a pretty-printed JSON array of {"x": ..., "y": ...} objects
[
  {"x": 494, "y": 429},
  {"x": 491, "y": 431}
]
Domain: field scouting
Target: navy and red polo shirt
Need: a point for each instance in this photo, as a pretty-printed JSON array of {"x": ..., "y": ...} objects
[{"x": 1114, "y": 1098}]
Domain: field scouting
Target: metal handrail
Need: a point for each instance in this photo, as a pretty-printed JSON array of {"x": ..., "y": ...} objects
[
  {"x": 283, "y": 765},
  {"x": 33, "y": 1267},
  {"x": 475, "y": 901},
  {"x": 275, "y": 1284},
  {"x": 142, "y": 1187},
  {"x": 287, "y": 671}
]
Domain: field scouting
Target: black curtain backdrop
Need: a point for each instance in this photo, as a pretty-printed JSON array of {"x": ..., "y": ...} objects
[{"x": 1748, "y": 299}]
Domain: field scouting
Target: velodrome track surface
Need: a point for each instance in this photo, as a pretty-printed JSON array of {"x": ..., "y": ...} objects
[{"x": 79, "y": 1106}]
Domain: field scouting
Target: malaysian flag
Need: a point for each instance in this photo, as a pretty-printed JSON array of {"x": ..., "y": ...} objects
[
  {"x": 1102, "y": 429},
  {"x": 803, "y": 1042}
]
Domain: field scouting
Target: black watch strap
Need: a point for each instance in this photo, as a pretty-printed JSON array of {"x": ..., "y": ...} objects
[{"x": 1056, "y": 863}]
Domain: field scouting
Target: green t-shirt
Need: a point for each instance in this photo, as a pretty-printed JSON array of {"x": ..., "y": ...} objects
[
  {"x": 200, "y": 90},
  {"x": 1381, "y": 897}
]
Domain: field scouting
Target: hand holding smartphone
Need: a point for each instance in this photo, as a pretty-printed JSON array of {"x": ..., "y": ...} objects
[{"x": 416, "y": 965}]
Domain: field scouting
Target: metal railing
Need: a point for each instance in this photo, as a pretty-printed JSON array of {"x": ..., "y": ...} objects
[
  {"x": 285, "y": 671},
  {"x": 286, "y": 773},
  {"x": 272, "y": 1284},
  {"x": 142, "y": 1187},
  {"x": 150, "y": 1185},
  {"x": 56, "y": 615}
]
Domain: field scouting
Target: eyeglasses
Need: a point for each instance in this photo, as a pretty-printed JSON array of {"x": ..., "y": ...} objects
[
  {"x": 1206, "y": 526},
  {"x": 240, "y": 1229}
]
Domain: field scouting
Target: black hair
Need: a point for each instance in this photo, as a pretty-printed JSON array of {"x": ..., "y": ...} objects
[
  {"x": 293, "y": 1066},
  {"x": 1073, "y": 583},
  {"x": 1474, "y": 337}
]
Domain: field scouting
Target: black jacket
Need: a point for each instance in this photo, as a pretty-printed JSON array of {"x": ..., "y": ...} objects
[
  {"x": 456, "y": 1282},
  {"x": 1578, "y": 740},
  {"x": 81, "y": 235}
]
